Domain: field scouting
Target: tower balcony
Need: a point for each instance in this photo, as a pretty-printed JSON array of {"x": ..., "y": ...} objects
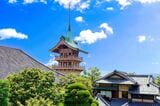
[
  {"x": 58, "y": 58},
  {"x": 57, "y": 67}
]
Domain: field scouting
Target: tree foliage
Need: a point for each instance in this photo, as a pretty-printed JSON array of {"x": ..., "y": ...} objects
[
  {"x": 31, "y": 83},
  {"x": 39, "y": 102},
  {"x": 158, "y": 80},
  {"x": 93, "y": 73},
  {"x": 4, "y": 92},
  {"x": 74, "y": 78},
  {"x": 77, "y": 94}
]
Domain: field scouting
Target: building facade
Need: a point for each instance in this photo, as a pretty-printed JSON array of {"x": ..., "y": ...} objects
[
  {"x": 68, "y": 55},
  {"x": 121, "y": 85}
]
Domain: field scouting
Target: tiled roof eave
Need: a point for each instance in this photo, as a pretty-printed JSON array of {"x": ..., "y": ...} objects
[{"x": 115, "y": 82}]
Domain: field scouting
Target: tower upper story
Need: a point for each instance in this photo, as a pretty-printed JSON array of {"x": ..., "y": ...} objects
[
  {"x": 66, "y": 43},
  {"x": 68, "y": 56}
]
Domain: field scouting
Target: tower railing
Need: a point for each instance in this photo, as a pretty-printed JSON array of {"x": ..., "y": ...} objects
[
  {"x": 68, "y": 58},
  {"x": 69, "y": 67}
]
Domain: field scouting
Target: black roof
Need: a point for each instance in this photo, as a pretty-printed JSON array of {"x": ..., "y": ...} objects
[
  {"x": 144, "y": 84},
  {"x": 13, "y": 60}
]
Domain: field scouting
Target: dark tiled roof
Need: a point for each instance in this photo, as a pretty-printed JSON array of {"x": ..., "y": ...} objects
[
  {"x": 144, "y": 84},
  {"x": 13, "y": 60},
  {"x": 126, "y": 80}
]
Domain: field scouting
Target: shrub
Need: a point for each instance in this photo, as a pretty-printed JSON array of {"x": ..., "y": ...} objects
[
  {"x": 78, "y": 86},
  {"x": 78, "y": 95},
  {"x": 4, "y": 92}
]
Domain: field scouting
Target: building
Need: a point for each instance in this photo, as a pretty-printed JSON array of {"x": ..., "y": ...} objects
[
  {"x": 121, "y": 85},
  {"x": 68, "y": 54},
  {"x": 68, "y": 58},
  {"x": 13, "y": 60}
]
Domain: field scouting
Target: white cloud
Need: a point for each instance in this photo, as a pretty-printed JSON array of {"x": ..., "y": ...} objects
[
  {"x": 141, "y": 38},
  {"x": 75, "y": 4},
  {"x": 29, "y": 1},
  {"x": 84, "y": 5},
  {"x": 51, "y": 61},
  {"x": 144, "y": 38},
  {"x": 8, "y": 33},
  {"x": 34, "y": 1},
  {"x": 151, "y": 38},
  {"x": 98, "y": 2},
  {"x": 79, "y": 19},
  {"x": 83, "y": 63},
  {"x": 12, "y": 1},
  {"x": 124, "y": 3},
  {"x": 110, "y": 8},
  {"x": 90, "y": 37},
  {"x": 147, "y": 1},
  {"x": 107, "y": 29}
]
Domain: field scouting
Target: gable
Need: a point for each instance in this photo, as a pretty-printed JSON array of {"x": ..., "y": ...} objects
[
  {"x": 61, "y": 44},
  {"x": 115, "y": 76},
  {"x": 68, "y": 43},
  {"x": 120, "y": 76}
]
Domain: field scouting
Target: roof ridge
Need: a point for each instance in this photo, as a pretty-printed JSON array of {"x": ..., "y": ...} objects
[
  {"x": 127, "y": 75},
  {"x": 124, "y": 74}
]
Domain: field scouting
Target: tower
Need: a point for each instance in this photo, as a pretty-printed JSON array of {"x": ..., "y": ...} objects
[{"x": 68, "y": 54}]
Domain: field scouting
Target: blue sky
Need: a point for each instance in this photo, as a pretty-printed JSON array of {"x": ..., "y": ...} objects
[{"x": 118, "y": 34}]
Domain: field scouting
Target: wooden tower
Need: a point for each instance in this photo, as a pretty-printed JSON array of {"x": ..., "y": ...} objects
[{"x": 68, "y": 54}]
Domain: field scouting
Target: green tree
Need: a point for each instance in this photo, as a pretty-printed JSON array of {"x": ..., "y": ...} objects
[
  {"x": 93, "y": 73},
  {"x": 74, "y": 78},
  {"x": 4, "y": 92},
  {"x": 68, "y": 79},
  {"x": 77, "y": 94},
  {"x": 158, "y": 80},
  {"x": 31, "y": 83}
]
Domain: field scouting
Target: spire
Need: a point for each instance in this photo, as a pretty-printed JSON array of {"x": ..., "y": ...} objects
[
  {"x": 69, "y": 34},
  {"x": 69, "y": 18}
]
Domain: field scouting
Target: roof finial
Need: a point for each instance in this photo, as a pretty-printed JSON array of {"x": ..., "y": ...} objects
[{"x": 69, "y": 22}]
